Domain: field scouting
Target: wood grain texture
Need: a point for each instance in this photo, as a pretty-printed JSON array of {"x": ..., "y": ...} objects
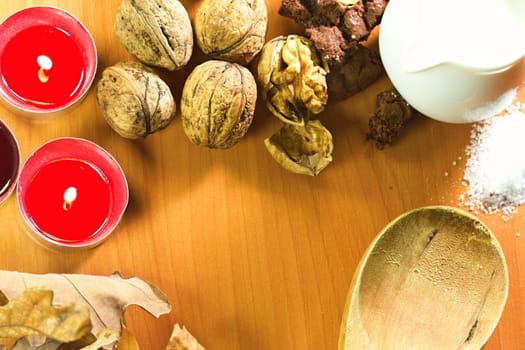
[{"x": 249, "y": 255}]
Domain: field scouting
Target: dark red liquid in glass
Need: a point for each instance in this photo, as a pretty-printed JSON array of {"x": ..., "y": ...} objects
[
  {"x": 82, "y": 218},
  {"x": 19, "y": 67},
  {"x": 9, "y": 160}
]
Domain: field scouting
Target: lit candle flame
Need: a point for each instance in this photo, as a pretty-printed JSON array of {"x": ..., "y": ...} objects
[
  {"x": 45, "y": 63},
  {"x": 70, "y": 195}
]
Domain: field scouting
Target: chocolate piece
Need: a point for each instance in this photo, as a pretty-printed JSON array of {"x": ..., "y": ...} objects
[
  {"x": 336, "y": 30},
  {"x": 355, "y": 21},
  {"x": 391, "y": 115},
  {"x": 374, "y": 11},
  {"x": 330, "y": 43},
  {"x": 362, "y": 69}
]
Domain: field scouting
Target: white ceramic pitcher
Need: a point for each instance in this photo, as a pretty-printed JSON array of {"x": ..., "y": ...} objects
[{"x": 457, "y": 61}]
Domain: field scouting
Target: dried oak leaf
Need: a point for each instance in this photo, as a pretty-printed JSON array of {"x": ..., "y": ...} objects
[
  {"x": 181, "y": 339},
  {"x": 107, "y": 296},
  {"x": 104, "y": 337},
  {"x": 88, "y": 342},
  {"x": 300, "y": 149},
  {"x": 32, "y": 313}
]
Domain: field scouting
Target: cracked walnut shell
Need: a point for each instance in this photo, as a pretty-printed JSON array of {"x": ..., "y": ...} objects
[
  {"x": 231, "y": 30},
  {"x": 157, "y": 32},
  {"x": 134, "y": 100},
  {"x": 292, "y": 79},
  {"x": 218, "y": 103},
  {"x": 302, "y": 149}
]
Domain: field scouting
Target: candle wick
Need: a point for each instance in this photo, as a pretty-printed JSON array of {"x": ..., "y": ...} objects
[
  {"x": 42, "y": 76},
  {"x": 45, "y": 63},
  {"x": 70, "y": 195}
]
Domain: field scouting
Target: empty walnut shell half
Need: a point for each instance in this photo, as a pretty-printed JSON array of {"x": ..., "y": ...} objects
[
  {"x": 305, "y": 150},
  {"x": 218, "y": 103},
  {"x": 134, "y": 100},
  {"x": 157, "y": 32},
  {"x": 232, "y": 30},
  {"x": 292, "y": 80}
]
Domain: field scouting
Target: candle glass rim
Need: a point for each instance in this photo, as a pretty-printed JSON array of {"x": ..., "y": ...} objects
[
  {"x": 119, "y": 186},
  {"x": 90, "y": 60},
  {"x": 12, "y": 186}
]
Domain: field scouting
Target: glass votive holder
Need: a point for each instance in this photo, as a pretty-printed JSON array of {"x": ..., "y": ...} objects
[
  {"x": 71, "y": 193},
  {"x": 48, "y": 61},
  {"x": 9, "y": 161}
]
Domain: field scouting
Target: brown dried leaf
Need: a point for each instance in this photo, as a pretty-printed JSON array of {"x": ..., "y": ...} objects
[
  {"x": 51, "y": 344},
  {"x": 104, "y": 337},
  {"x": 107, "y": 296},
  {"x": 32, "y": 313},
  {"x": 181, "y": 339}
]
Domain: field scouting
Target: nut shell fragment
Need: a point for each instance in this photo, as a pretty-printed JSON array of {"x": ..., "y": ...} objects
[
  {"x": 134, "y": 100},
  {"x": 218, "y": 104},
  {"x": 232, "y": 30},
  {"x": 292, "y": 79},
  {"x": 305, "y": 150},
  {"x": 157, "y": 32}
]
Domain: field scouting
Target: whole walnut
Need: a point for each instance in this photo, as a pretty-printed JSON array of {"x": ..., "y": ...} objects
[
  {"x": 232, "y": 30},
  {"x": 218, "y": 103},
  {"x": 157, "y": 32},
  {"x": 134, "y": 100}
]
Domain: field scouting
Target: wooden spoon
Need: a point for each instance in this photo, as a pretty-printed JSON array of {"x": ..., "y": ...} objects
[{"x": 434, "y": 278}]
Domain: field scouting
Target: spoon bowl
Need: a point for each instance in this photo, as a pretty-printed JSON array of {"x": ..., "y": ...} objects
[{"x": 434, "y": 278}]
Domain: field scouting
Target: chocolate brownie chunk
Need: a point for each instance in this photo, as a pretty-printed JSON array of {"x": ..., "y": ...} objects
[
  {"x": 336, "y": 31},
  {"x": 330, "y": 44},
  {"x": 356, "y": 20},
  {"x": 374, "y": 11},
  {"x": 391, "y": 115},
  {"x": 360, "y": 70}
]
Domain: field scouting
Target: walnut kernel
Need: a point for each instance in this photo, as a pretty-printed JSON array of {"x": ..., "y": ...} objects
[{"x": 292, "y": 79}]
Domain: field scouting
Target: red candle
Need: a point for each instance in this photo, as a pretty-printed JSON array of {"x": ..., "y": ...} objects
[
  {"x": 48, "y": 59},
  {"x": 9, "y": 161},
  {"x": 72, "y": 193}
]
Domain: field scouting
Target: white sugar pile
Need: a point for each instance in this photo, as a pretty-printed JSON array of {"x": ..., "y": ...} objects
[{"x": 495, "y": 169}]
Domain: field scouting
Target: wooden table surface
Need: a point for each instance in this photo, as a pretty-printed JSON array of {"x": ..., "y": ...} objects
[{"x": 250, "y": 255}]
